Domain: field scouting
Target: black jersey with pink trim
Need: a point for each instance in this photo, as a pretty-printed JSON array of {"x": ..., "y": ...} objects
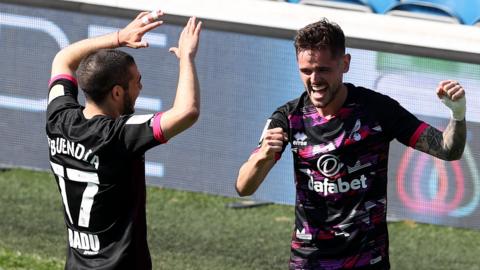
[
  {"x": 99, "y": 166},
  {"x": 340, "y": 168}
]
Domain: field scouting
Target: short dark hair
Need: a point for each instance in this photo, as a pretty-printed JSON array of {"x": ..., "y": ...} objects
[
  {"x": 100, "y": 71},
  {"x": 321, "y": 35}
]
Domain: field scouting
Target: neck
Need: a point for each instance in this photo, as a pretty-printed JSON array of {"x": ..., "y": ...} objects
[
  {"x": 334, "y": 106},
  {"x": 92, "y": 109}
]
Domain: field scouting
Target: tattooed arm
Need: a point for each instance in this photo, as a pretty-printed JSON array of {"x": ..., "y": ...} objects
[{"x": 449, "y": 144}]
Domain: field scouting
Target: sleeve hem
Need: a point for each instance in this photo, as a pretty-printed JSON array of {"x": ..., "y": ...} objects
[
  {"x": 62, "y": 76},
  {"x": 157, "y": 129},
  {"x": 416, "y": 134}
]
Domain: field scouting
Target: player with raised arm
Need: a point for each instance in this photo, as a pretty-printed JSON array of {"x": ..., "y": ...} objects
[
  {"x": 97, "y": 151},
  {"x": 340, "y": 134}
]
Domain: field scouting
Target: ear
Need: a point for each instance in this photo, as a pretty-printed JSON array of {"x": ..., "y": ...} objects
[
  {"x": 346, "y": 62},
  {"x": 117, "y": 93}
]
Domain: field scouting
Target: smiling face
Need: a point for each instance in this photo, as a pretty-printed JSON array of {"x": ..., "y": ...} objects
[{"x": 322, "y": 76}]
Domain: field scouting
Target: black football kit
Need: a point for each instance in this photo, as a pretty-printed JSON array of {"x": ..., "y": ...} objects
[
  {"x": 99, "y": 167},
  {"x": 340, "y": 167}
]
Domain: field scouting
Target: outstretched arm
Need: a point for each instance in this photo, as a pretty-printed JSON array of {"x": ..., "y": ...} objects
[
  {"x": 67, "y": 60},
  {"x": 255, "y": 169},
  {"x": 449, "y": 144},
  {"x": 186, "y": 106}
]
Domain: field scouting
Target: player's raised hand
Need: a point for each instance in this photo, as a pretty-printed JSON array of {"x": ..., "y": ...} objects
[
  {"x": 131, "y": 36},
  {"x": 452, "y": 95},
  {"x": 272, "y": 142},
  {"x": 188, "y": 41}
]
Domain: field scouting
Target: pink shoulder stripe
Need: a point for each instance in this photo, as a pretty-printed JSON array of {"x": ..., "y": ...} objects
[
  {"x": 157, "y": 129},
  {"x": 416, "y": 135},
  {"x": 62, "y": 76}
]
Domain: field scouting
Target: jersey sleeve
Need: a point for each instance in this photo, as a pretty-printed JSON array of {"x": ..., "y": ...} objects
[
  {"x": 399, "y": 123},
  {"x": 138, "y": 133},
  {"x": 62, "y": 94},
  {"x": 278, "y": 119}
]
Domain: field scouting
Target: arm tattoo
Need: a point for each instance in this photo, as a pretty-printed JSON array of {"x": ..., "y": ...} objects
[{"x": 446, "y": 145}]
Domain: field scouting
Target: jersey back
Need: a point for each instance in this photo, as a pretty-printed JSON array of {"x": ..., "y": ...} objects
[{"x": 98, "y": 164}]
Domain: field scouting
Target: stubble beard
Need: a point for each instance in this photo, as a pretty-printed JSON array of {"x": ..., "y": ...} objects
[{"x": 128, "y": 106}]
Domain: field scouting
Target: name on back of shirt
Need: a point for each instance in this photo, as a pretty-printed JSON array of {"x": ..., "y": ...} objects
[{"x": 73, "y": 149}]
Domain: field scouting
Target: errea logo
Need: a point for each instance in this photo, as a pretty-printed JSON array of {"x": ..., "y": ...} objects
[
  {"x": 300, "y": 138},
  {"x": 301, "y": 234}
]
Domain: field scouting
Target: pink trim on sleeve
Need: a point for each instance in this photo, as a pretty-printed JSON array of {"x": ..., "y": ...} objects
[
  {"x": 62, "y": 76},
  {"x": 157, "y": 129},
  {"x": 416, "y": 135}
]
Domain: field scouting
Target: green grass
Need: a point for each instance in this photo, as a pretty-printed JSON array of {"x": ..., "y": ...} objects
[
  {"x": 20, "y": 261},
  {"x": 196, "y": 231}
]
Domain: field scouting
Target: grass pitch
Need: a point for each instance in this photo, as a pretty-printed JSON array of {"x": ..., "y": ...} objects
[{"x": 196, "y": 231}]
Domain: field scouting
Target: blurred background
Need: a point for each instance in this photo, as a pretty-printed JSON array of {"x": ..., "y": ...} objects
[{"x": 247, "y": 68}]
